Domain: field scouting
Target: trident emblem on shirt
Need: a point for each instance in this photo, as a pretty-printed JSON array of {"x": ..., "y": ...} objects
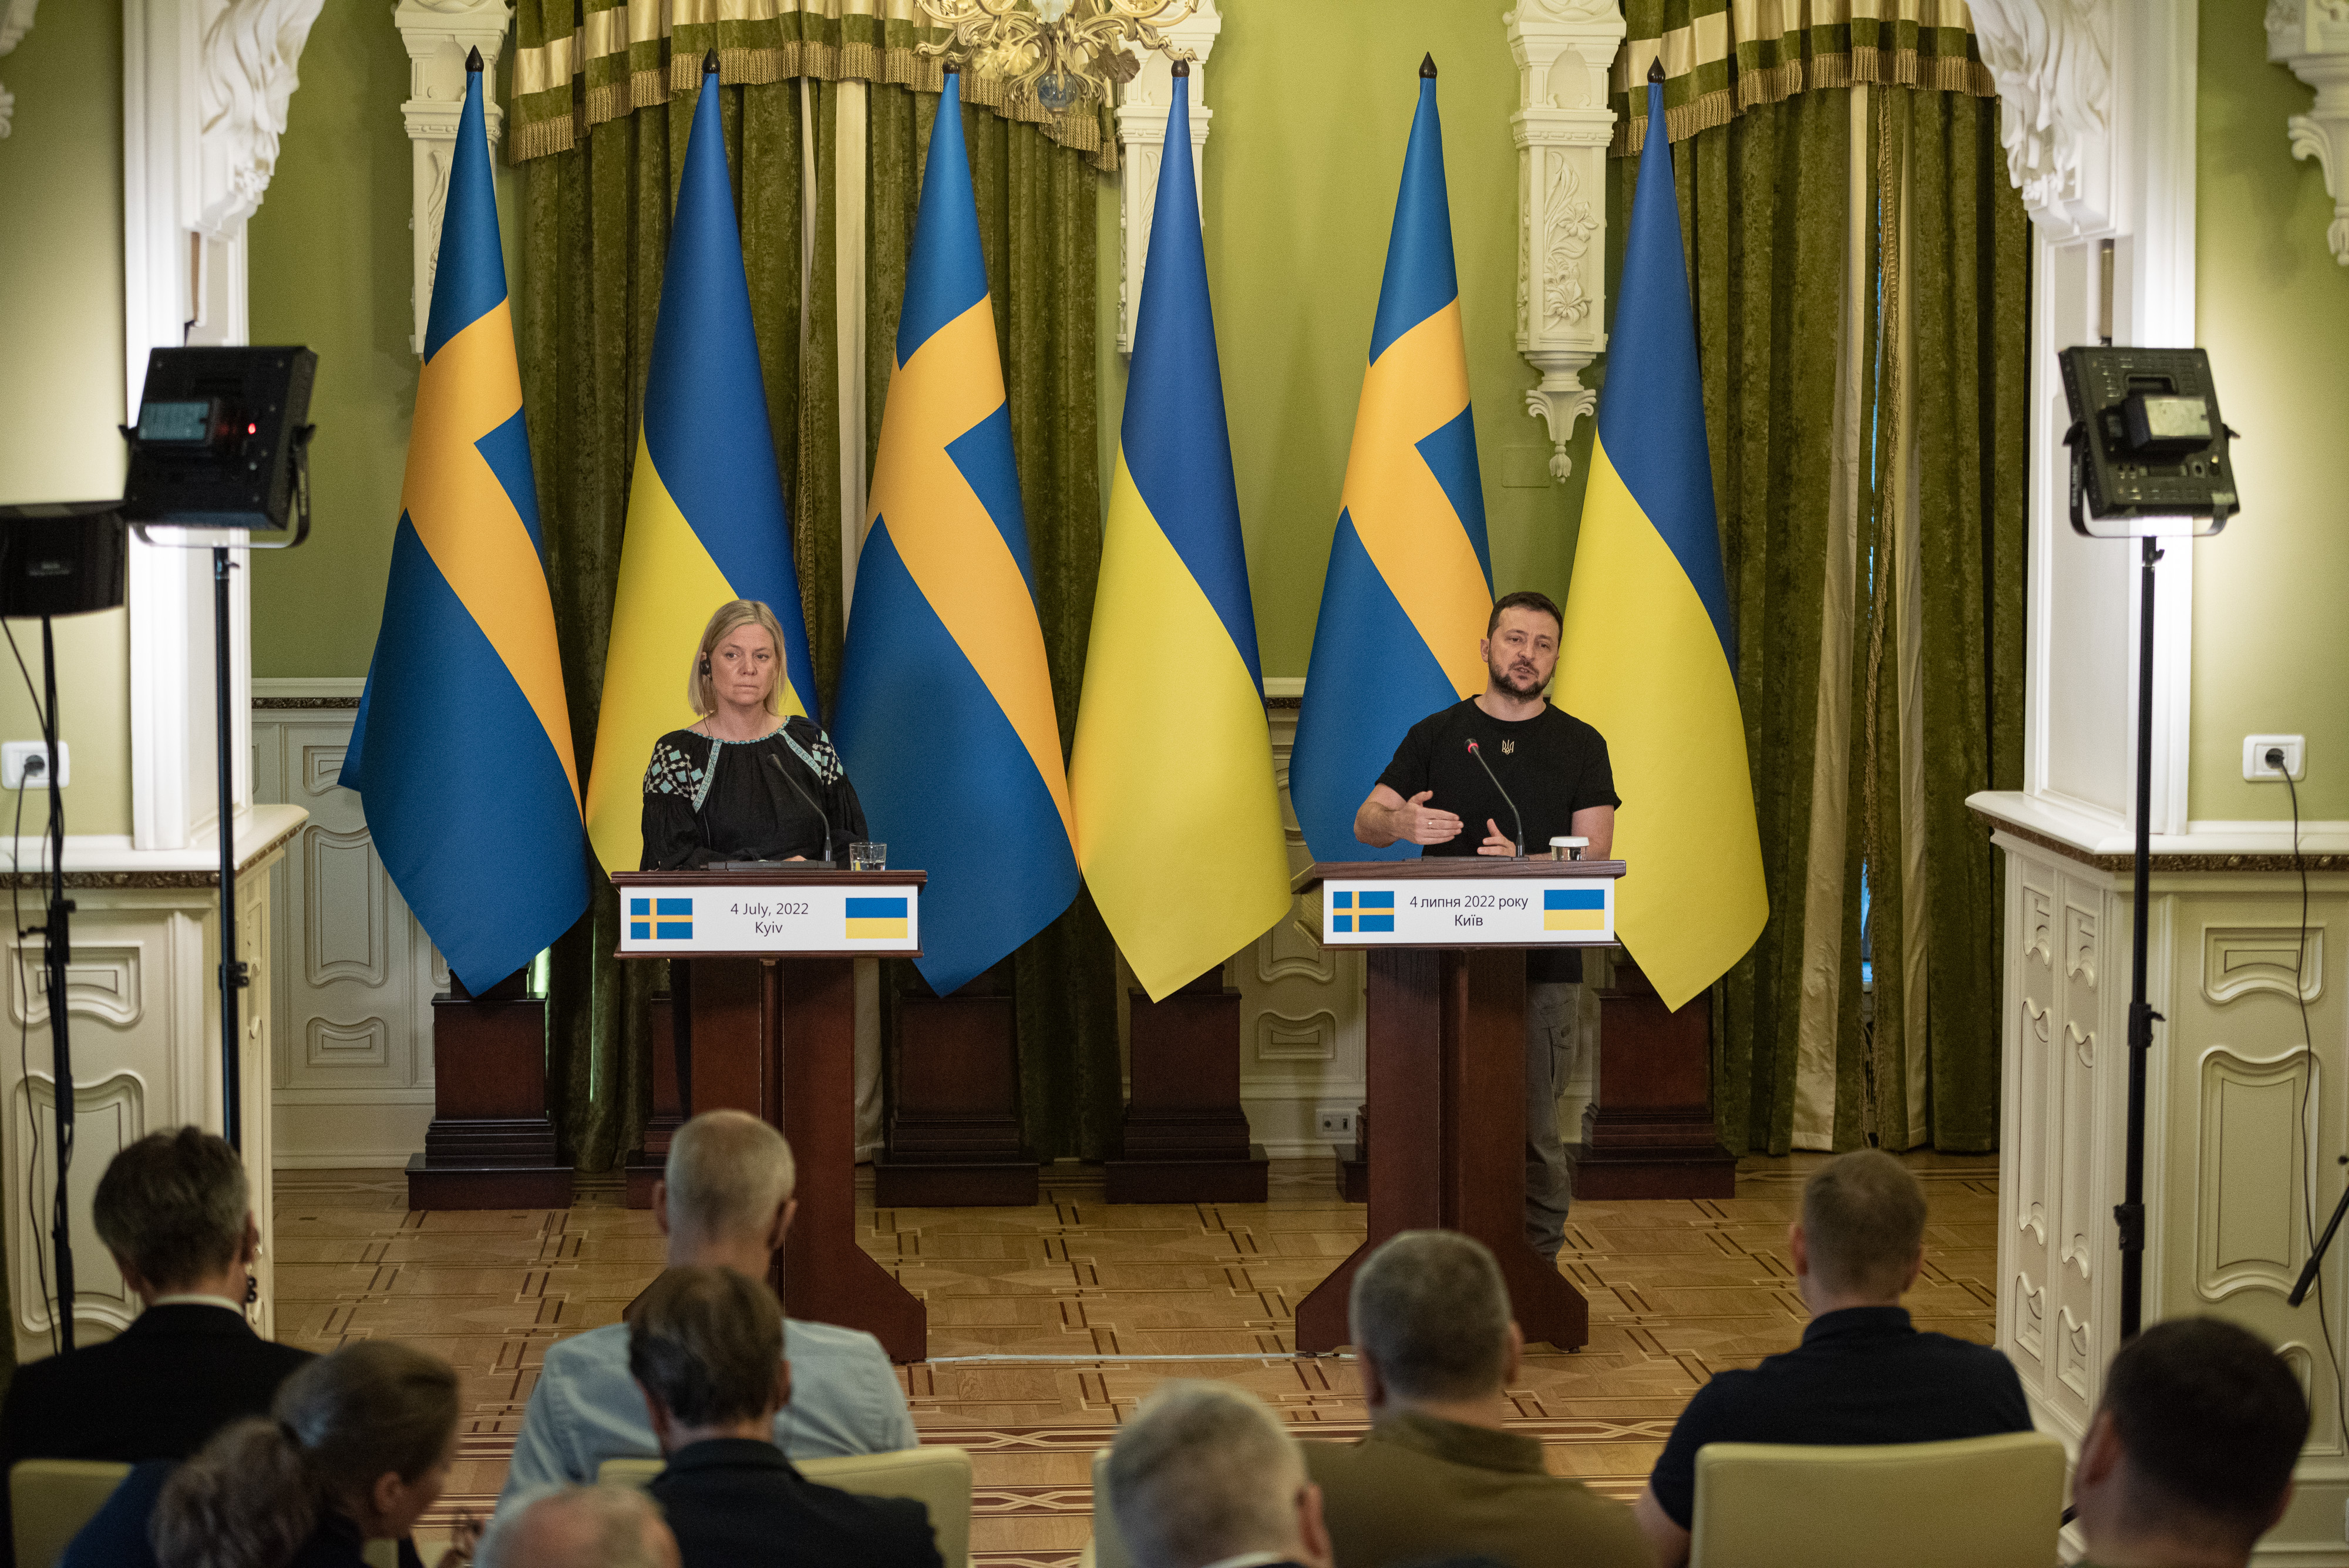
[{"x": 1508, "y": 748}]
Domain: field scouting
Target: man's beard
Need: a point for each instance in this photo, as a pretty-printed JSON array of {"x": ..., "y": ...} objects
[{"x": 1530, "y": 686}]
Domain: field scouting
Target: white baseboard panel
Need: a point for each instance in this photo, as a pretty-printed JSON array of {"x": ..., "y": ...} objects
[{"x": 367, "y": 1135}]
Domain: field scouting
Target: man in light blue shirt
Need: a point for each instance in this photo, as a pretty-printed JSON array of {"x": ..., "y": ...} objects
[{"x": 725, "y": 1201}]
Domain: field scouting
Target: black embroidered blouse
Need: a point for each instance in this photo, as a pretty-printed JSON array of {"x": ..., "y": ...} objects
[{"x": 708, "y": 800}]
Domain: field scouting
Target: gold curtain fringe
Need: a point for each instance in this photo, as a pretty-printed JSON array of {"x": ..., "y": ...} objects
[
  {"x": 1773, "y": 84},
  {"x": 654, "y": 86}
]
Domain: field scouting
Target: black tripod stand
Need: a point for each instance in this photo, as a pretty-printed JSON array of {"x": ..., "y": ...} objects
[{"x": 56, "y": 944}]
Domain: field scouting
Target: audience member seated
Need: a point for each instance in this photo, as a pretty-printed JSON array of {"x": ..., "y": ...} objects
[
  {"x": 357, "y": 1445},
  {"x": 2188, "y": 1461},
  {"x": 1440, "y": 1472},
  {"x": 702, "y": 1346},
  {"x": 1206, "y": 1476},
  {"x": 174, "y": 1211},
  {"x": 1863, "y": 1374},
  {"x": 724, "y": 1201},
  {"x": 607, "y": 1526}
]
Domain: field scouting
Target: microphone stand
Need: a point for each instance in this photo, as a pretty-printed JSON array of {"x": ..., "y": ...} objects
[
  {"x": 2308, "y": 1270},
  {"x": 821, "y": 814},
  {"x": 1477, "y": 752}
]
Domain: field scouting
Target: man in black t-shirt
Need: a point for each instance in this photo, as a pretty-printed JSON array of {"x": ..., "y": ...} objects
[{"x": 1553, "y": 766}]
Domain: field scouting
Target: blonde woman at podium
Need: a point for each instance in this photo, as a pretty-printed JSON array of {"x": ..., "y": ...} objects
[{"x": 745, "y": 784}]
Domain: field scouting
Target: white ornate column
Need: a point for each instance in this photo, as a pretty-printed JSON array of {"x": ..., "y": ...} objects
[
  {"x": 15, "y": 21},
  {"x": 1143, "y": 105},
  {"x": 1563, "y": 49},
  {"x": 2312, "y": 37},
  {"x": 439, "y": 35}
]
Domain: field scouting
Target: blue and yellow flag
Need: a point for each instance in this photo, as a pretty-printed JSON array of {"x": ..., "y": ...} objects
[
  {"x": 462, "y": 751},
  {"x": 706, "y": 517},
  {"x": 1178, "y": 819},
  {"x": 1648, "y": 655},
  {"x": 1410, "y": 583},
  {"x": 946, "y": 717}
]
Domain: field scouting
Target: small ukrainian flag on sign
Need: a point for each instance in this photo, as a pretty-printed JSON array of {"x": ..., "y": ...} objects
[
  {"x": 1574, "y": 909},
  {"x": 1374, "y": 912},
  {"x": 660, "y": 919},
  {"x": 875, "y": 918}
]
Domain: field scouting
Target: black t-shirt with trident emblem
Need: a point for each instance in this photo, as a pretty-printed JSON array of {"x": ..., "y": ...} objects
[{"x": 1553, "y": 765}]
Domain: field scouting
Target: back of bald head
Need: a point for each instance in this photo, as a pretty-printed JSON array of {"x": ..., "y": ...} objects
[
  {"x": 1864, "y": 1221},
  {"x": 727, "y": 1173},
  {"x": 607, "y": 1526}
]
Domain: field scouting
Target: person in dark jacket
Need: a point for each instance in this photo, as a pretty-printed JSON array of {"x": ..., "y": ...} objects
[
  {"x": 356, "y": 1446},
  {"x": 703, "y": 1345},
  {"x": 175, "y": 1212}
]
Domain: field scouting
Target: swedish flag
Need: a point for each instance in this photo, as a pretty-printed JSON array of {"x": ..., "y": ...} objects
[
  {"x": 461, "y": 750},
  {"x": 1178, "y": 818},
  {"x": 1648, "y": 654},
  {"x": 946, "y": 715},
  {"x": 1410, "y": 581},
  {"x": 705, "y": 518}
]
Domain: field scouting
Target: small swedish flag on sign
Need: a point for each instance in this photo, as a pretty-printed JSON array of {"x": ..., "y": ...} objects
[
  {"x": 1375, "y": 912},
  {"x": 877, "y": 918},
  {"x": 1574, "y": 909},
  {"x": 660, "y": 919}
]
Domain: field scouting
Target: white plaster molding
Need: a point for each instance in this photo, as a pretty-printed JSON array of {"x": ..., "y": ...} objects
[
  {"x": 2053, "y": 60},
  {"x": 1142, "y": 105},
  {"x": 2312, "y": 38},
  {"x": 1562, "y": 127},
  {"x": 15, "y": 21},
  {"x": 246, "y": 75},
  {"x": 439, "y": 35}
]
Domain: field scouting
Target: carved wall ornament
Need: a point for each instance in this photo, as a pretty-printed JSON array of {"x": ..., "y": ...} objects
[
  {"x": 439, "y": 34},
  {"x": 1144, "y": 102},
  {"x": 246, "y": 75},
  {"x": 2053, "y": 63},
  {"x": 15, "y": 21},
  {"x": 2312, "y": 41},
  {"x": 1572, "y": 227}
]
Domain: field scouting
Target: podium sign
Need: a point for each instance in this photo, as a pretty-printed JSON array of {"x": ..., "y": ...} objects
[
  {"x": 852, "y": 914},
  {"x": 1469, "y": 911}
]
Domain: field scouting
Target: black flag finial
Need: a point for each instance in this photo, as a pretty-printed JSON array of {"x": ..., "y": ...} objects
[
  {"x": 1180, "y": 68},
  {"x": 952, "y": 67},
  {"x": 1427, "y": 66},
  {"x": 709, "y": 63},
  {"x": 473, "y": 63},
  {"x": 1656, "y": 68}
]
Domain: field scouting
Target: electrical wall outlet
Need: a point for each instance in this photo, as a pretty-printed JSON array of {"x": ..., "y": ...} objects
[
  {"x": 2255, "y": 757},
  {"x": 1334, "y": 1121},
  {"x": 25, "y": 765}
]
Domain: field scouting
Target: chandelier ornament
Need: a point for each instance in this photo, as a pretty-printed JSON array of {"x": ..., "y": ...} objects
[{"x": 1056, "y": 54}]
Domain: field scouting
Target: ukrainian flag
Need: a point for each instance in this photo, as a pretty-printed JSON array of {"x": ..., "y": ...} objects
[
  {"x": 1410, "y": 583},
  {"x": 1574, "y": 909},
  {"x": 1178, "y": 818},
  {"x": 1648, "y": 654},
  {"x": 872, "y": 919},
  {"x": 946, "y": 717},
  {"x": 462, "y": 751},
  {"x": 705, "y": 518}
]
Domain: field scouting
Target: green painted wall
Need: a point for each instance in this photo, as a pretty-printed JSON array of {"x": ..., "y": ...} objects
[
  {"x": 2272, "y": 306},
  {"x": 61, "y": 397}
]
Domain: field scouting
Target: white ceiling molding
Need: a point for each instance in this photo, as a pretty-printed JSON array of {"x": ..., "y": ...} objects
[
  {"x": 1142, "y": 105},
  {"x": 1562, "y": 126},
  {"x": 2052, "y": 62},
  {"x": 2311, "y": 38},
  {"x": 245, "y": 78},
  {"x": 15, "y": 21},
  {"x": 439, "y": 34}
]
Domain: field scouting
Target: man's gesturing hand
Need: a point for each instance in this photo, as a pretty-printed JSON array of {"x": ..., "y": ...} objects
[
  {"x": 1424, "y": 823},
  {"x": 1496, "y": 842}
]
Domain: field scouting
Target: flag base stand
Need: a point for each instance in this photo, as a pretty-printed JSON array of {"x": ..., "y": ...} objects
[
  {"x": 954, "y": 1123},
  {"x": 491, "y": 1143},
  {"x": 1186, "y": 1137},
  {"x": 1650, "y": 1132}
]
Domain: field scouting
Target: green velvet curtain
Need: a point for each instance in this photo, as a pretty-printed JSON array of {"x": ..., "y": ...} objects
[
  {"x": 1865, "y": 403},
  {"x": 1036, "y": 206}
]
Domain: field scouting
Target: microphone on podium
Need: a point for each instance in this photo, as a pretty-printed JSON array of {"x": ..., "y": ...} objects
[{"x": 1478, "y": 753}]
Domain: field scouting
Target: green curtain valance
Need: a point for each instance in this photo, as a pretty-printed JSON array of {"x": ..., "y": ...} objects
[
  {"x": 1722, "y": 58},
  {"x": 580, "y": 63}
]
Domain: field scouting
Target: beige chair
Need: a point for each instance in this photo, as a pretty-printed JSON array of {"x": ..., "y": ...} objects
[
  {"x": 1978, "y": 1502},
  {"x": 51, "y": 1499},
  {"x": 939, "y": 1477}
]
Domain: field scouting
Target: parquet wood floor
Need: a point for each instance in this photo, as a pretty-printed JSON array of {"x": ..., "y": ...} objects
[{"x": 1049, "y": 1325}]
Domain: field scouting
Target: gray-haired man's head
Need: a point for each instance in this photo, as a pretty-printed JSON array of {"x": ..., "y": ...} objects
[
  {"x": 1206, "y": 1471},
  {"x": 607, "y": 1526},
  {"x": 173, "y": 1207},
  {"x": 729, "y": 1177},
  {"x": 1430, "y": 1315}
]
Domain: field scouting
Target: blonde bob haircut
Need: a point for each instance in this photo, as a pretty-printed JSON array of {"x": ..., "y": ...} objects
[{"x": 731, "y": 617}]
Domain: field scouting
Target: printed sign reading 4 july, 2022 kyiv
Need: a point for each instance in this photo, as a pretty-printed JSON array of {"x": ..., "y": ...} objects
[{"x": 757, "y": 919}]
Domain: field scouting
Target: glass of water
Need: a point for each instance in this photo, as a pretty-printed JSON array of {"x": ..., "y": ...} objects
[{"x": 866, "y": 856}]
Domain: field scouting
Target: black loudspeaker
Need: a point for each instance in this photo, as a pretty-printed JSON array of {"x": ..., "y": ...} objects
[
  {"x": 218, "y": 436},
  {"x": 62, "y": 558}
]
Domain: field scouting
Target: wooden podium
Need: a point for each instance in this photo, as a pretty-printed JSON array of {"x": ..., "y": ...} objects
[
  {"x": 1445, "y": 1022},
  {"x": 762, "y": 981}
]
